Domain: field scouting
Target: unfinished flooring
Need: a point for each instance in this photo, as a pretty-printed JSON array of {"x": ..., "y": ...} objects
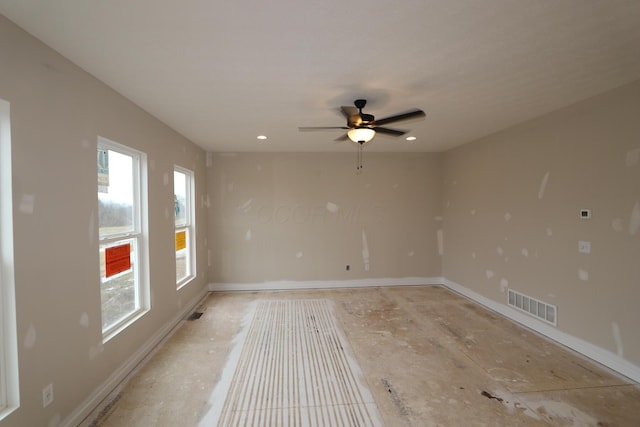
[{"x": 427, "y": 356}]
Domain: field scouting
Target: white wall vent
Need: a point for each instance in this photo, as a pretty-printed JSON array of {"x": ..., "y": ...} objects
[{"x": 539, "y": 309}]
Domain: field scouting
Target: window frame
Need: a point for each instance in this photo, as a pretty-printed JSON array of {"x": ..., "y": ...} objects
[
  {"x": 189, "y": 226},
  {"x": 9, "y": 374},
  {"x": 138, "y": 235}
]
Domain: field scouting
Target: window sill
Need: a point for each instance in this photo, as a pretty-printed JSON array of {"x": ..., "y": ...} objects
[
  {"x": 124, "y": 324},
  {"x": 184, "y": 282}
]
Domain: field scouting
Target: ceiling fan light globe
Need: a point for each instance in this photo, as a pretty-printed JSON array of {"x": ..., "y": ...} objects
[{"x": 361, "y": 135}]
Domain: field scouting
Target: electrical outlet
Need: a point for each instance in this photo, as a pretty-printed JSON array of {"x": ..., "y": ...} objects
[
  {"x": 47, "y": 395},
  {"x": 584, "y": 247}
]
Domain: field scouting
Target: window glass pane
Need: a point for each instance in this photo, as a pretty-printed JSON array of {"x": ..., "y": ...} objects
[
  {"x": 183, "y": 269},
  {"x": 180, "y": 198},
  {"x": 115, "y": 192},
  {"x": 118, "y": 288}
]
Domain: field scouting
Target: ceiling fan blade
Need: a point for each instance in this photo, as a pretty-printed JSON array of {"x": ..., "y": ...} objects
[
  {"x": 352, "y": 115},
  {"x": 387, "y": 131},
  {"x": 314, "y": 128},
  {"x": 344, "y": 137},
  {"x": 349, "y": 111},
  {"x": 404, "y": 116}
]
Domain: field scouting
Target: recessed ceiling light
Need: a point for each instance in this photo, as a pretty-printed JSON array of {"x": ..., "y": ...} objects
[
  {"x": 262, "y": 137},
  {"x": 411, "y": 138}
]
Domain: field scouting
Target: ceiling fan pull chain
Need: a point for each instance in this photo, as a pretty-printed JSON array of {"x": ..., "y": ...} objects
[{"x": 359, "y": 166}]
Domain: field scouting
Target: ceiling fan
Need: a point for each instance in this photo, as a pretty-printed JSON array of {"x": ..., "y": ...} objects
[{"x": 362, "y": 127}]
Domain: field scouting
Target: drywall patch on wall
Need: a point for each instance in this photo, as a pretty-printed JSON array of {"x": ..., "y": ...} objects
[
  {"x": 440, "y": 237},
  {"x": 500, "y": 251},
  {"x": 27, "y": 203},
  {"x": 525, "y": 252},
  {"x": 473, "y": 255},
  {"x": 490, "y": 274},
  {"x": 332, "y": 207},
  {"x": 507, "y": 216},
  {"x": 617, "y": 225},
  {"x": 247, "y": 235},
  {"x": 84, "y": 320},
  {"x": 617, "y": 337},
  {"x": 30, "y": 337},
  {"x": 583, "y": 275},
  {"x": 438, "y": 218},
  {"x": 634, "y": 221},
  {"x": 246, "y": 207},
  {"x": 205, "y": 201},
  {"x": 365, "y": 251},
  {"x": 299, "y": 255},
  {"x": 152, "y": 164},
  {"x": 504, "y": 285},
  {"x": 411, "y": 253},
  {"x": 543, "y": 185},
  {"x": 632, "y": 157},
  {"x": 473, "y": 212},
  {"x": 95, "y": 350},
  {"x": 549, "y": 232}
]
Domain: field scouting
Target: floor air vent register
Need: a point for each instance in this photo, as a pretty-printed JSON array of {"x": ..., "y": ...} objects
[{"x": 536, "y": 308}]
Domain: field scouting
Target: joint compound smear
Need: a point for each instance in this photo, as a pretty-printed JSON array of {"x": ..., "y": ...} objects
[
  {"x": 30, "y": 337},
  {"x": 634, "y": 221},
  {"x": 543, "y": 185},
  {"x": 365, "y": 251},
  {"x": 617, "y": 337},
  {"x": 440, "y": 236},
  {"x": 583, "y": 275},
  {"x": 632, "y": 157},
  {"x": 246, "y": 207},
  {"x": 332, "y": 207}
]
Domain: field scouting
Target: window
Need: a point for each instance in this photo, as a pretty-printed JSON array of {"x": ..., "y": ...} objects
[
  {"x": 9, "y": 393},
  {"x": 124, "y": 286},
  {"x": 183, "y": 196}
]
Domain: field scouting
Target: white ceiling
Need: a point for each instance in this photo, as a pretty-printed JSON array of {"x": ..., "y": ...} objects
[{"x": 221, "y": 73}]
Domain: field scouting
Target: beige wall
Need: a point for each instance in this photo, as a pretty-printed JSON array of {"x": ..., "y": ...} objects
[
  {"x": 511, "y": 204},
  {"x": 302, "y": 217},
  {"x": 57, "y": 113}
]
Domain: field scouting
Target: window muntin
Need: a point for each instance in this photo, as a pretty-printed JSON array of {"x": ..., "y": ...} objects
[
  {"x": 124, "y": 286},
  {"x": 9, "y": 383},
  {"x": 183, "y": 186}
]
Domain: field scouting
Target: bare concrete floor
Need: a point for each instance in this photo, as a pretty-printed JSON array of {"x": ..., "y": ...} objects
[{"x": 429, "y": 357}]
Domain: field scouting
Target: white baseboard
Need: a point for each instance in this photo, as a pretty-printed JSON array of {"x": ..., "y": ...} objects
[
  {"x": 286, "y": 285},
  {"x": 92, "y": 405},
  {"x": 600, "y": 355}
]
